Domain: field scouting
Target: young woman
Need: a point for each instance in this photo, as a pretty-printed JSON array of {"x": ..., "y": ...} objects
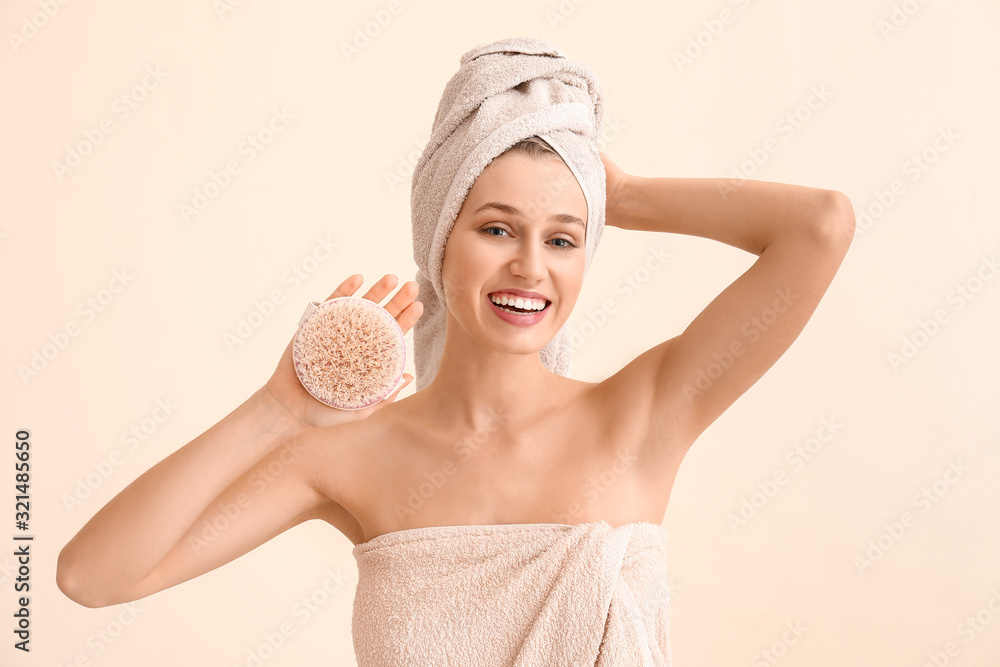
[
  {"x": 282, "y": 457},
  {"x": 497, "y": 451}
]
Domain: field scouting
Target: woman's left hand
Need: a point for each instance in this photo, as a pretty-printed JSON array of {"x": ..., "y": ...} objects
[{"x": 616, "y": 179}]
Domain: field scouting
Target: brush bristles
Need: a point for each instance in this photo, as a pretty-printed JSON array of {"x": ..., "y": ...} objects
[{"x": 349, "y": 354}]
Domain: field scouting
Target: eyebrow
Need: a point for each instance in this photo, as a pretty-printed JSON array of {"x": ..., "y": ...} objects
[{"x": 511, "y": 210}]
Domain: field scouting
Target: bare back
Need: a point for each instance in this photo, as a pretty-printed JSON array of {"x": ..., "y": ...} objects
[{"x": 586, "y": 458}]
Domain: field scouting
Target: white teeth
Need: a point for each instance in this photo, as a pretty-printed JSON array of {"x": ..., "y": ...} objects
[{"x": 518, "y": 302}]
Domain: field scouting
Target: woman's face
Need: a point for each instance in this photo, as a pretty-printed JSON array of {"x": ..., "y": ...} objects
[{"x": 522, "y": 227}]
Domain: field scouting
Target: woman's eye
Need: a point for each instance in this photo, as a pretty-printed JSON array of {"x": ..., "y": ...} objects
[{"x": 500, "y": 231}]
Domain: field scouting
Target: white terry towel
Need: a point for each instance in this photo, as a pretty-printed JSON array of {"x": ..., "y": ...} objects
[
  {"x": 503, "y": 92},
  {"x": 514, "y": 594}
]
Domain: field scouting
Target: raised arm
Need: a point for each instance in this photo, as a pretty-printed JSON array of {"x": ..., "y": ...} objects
[
  {"x": 800, "y": 236},
  {"x": 112, "y": 557},
  {"x": 267, "y": 466}
]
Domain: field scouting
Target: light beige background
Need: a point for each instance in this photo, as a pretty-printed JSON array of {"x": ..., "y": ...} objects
[{"x": 338, "y": 169}]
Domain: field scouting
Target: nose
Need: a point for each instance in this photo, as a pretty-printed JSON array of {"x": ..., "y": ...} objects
[{"x": 529, "y": 262}]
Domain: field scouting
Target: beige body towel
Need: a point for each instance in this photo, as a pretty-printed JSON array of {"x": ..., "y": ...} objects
[{"x": 513, "y": 594}]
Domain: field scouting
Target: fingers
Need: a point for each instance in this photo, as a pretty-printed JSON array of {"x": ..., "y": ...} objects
[
  {"x": 403, "y": 299},
  {"x": 402, "y": 306},
  {"x": 409, "y": 316},
  {"x": 400, "y": 302},
  {"x": 382, "y": 288},
  {"x": 348, "y": 287}
]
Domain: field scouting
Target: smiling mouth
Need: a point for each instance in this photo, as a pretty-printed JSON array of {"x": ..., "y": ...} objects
[
  {"x": 513, "y": 309},
  {"x": 519, "y": 311}
]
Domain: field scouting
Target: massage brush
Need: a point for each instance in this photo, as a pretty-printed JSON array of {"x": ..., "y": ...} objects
[{"x": 349, "y": 352}]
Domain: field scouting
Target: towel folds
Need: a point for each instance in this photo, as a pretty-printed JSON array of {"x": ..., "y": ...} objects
[{"x": 513, "y": 594}]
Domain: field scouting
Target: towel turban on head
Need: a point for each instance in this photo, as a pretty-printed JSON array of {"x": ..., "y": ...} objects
[{"x": 503, "y": 93}]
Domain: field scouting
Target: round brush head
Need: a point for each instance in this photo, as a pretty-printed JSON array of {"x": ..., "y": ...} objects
[{"x": 349, "y": 354}]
